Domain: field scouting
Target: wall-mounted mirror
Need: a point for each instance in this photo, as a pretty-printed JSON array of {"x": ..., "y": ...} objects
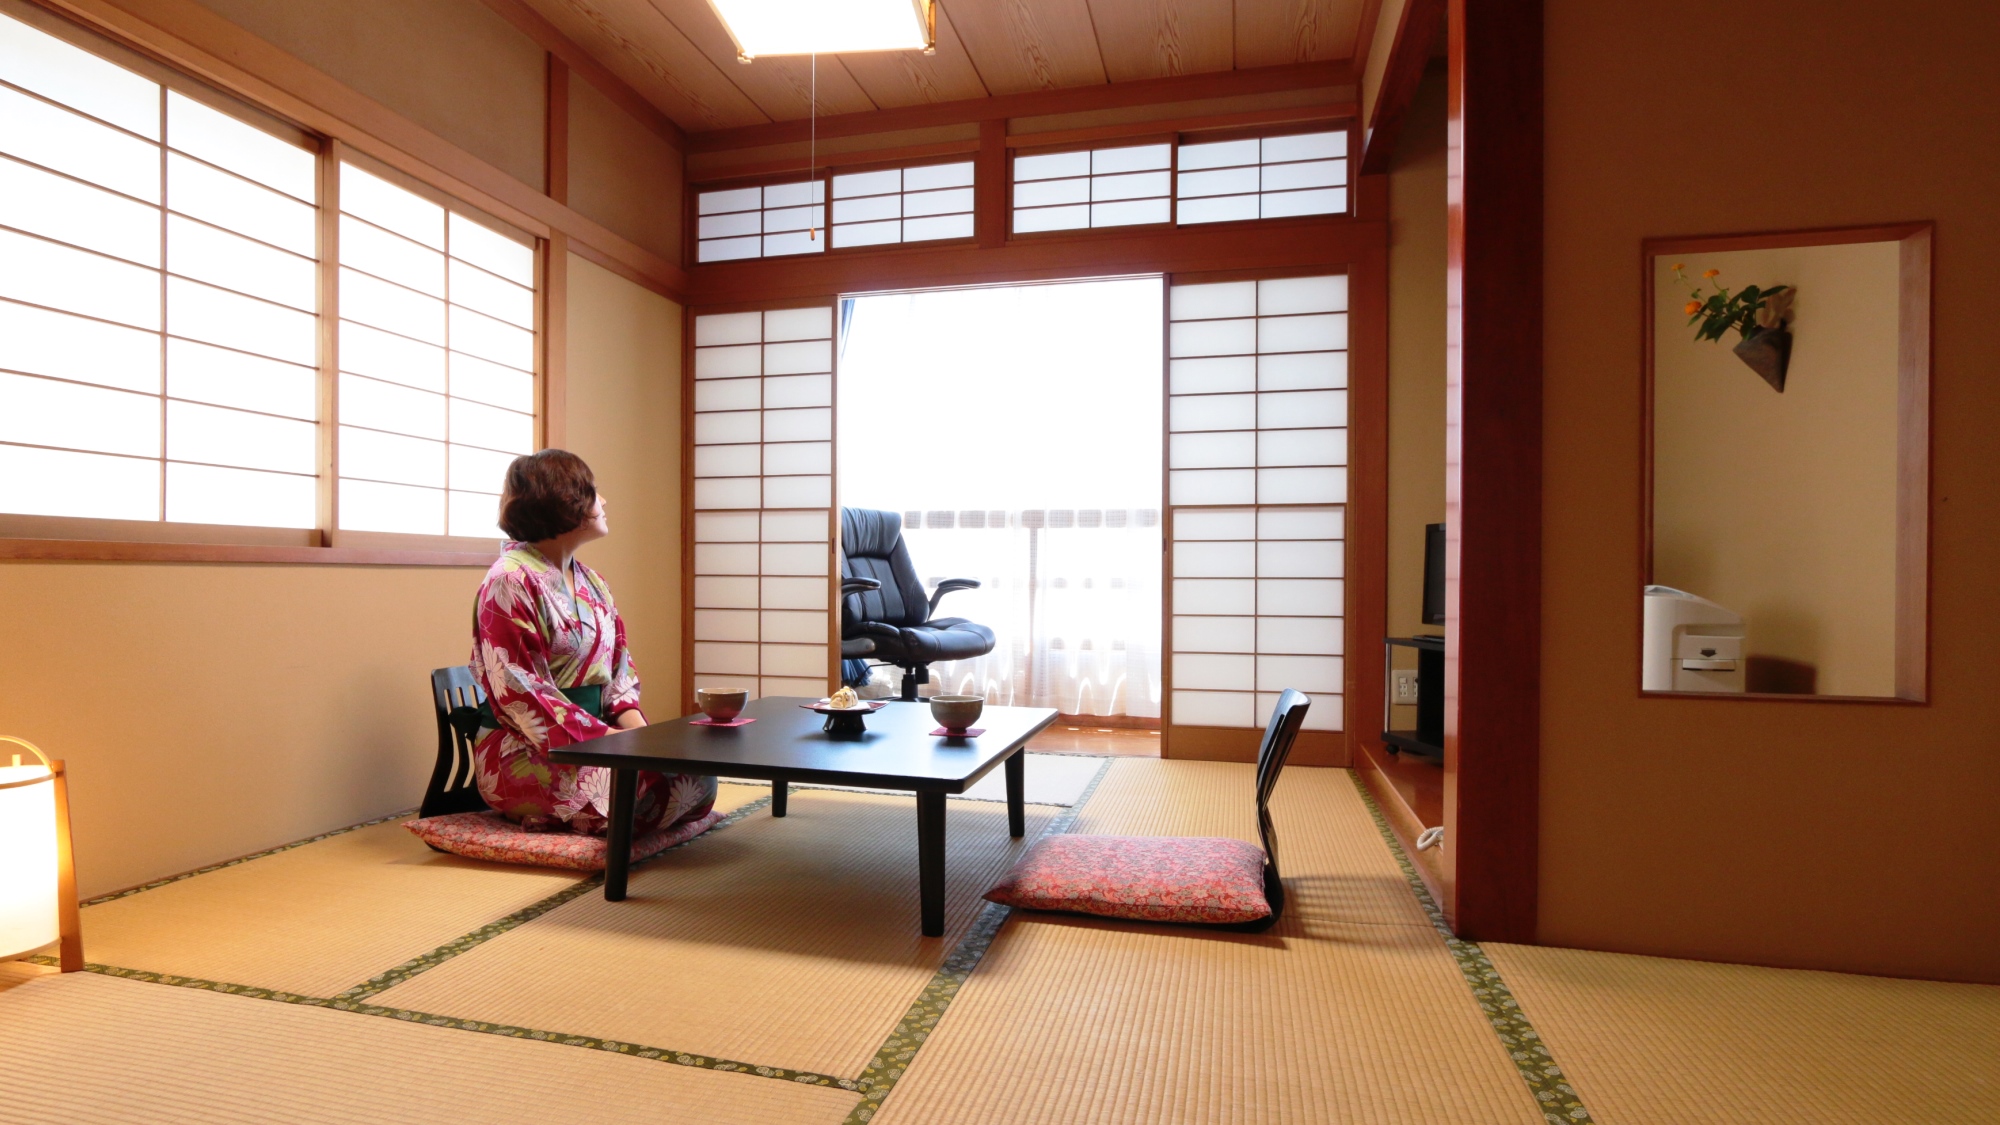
[{"x": 1788, "y": 464}]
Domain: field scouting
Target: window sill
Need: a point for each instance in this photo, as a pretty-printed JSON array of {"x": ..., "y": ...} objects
[{"x": 58, "y": 539}]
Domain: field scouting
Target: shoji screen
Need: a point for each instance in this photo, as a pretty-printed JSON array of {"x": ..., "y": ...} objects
[
  {"x": 763, "y": 500},
  {"x": 1257, "y": 486}
]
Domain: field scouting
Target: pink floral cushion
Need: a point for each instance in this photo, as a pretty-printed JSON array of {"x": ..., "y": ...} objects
[
  {"x": 490, "y": 836},
  {"x": 1154, "y": 878}
]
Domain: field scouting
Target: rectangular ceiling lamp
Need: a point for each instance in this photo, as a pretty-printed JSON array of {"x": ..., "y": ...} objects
[{"x": 826, "y": 27}]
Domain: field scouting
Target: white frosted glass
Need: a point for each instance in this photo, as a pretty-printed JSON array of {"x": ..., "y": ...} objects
[
  {"x": 231, "y": 261},
  {"x": 234, "y": 203},
  {"x": 794, "y": 626},
  {"x": 373, "y": 250},
  {"x": 35, "y": 60},
  {"x": 1132, "y": 158},
  {"x": 1299, "y": 597},
  {"x": 734, "y": 225},
  {"x": 867, "y": 183},
  {"x": 405, "y": 312},
  {"x": 727, "y": 461},
  {"x": 216, "y": 435},
  {"x": 868, "y": 234},
  {"x": 241, "y": 147},
  {"x": 793, "y": 593},
  {"x": 388, "y": 406},
  {"x": 1212, "y": 450},
  {"x": 475, "y": 515},
  {"x": 1214, "y": 301},
  {"x": 476, "y": 289},
  {"x": 1225, "y": 181},
  {"x": 728, "y": 394},
  {"x": 728, "y": 363},
  {"x": 1219, "y": 154},
  {"x": 491, "y": 339},
  {"x": 730, "y": 249},
  {"x": 1300, "y": 410},
  {"x": 798, "y": 425},
  {"x": 491, "y": 383},
  {"x": 799, "y": 458},
  {"x": 792, "y": 220},
  {"x": 1138, "y": 185},
  {"x": 1051, "y": 218},
  {"x": 796, "y": 242},
  {"x": 728, "y": 328},
  {"x": 725, "y": 659},
  {"x": 1214, "y": 671},
  {"x": 1227, "y": 597},
  {"x": 725, "y": 593},
  {"x": 75, "y": 145},
  {"x": 795, "y": 527},
  {"x": 952, "y": 202},
  {"x": 1302, "y": 486},
  {"x": 1130, "y": 213},
  {"x": 1301, "y": 558},
  {"x": 1289, "y": 296},
  {"x": 1319, "y": 201},
  {"x": 240, "y": 497},
  {"x": 937, "y": 226},
  {"x": 44, "y": 273},
  {"x": 217, "y": 316},
  {"x": 735, "y": 199},
  {"x": 728, "y": 428},
  {"x": 382, "y": 355},
  {"x": 1315, "y": 333},
  {"x": 391, "y": 206},
  {"x": 798, "y": 492},
  {"x": 815, "y": 322},
  {"x": 725, "y": 527},
  {"x": 70, "y": 347},
  {"x": 1216, "y": 209},
  {"x": 49, "y": 482},
  {"x": 1304, "y": 146},
  {"x": 1215, "y": 559},
  {"x": 1187, "y": 338},
  {"x": 47, "y": 204},
  {"x": 1314, "y": 174},
  {"x": 726, "y": 558},
  {"x": 473, "y": 241},
  {"x": 1301, "y": 371},
  {"x": 373, "y": 506},
  {"x": 1302, "y": 447},
  {"x": 477, "y": 470},
  {"x": 1301, "y": 523},
  {"x": 931, "y": 176},
  {"x": 44, "y": 412},
  {"x": 798, "y": 390},
  {"x": 1215, "y": 634},
  {"x": 1051, "y": 165},
  {"x": 1212, "y": 709},
  {"x": 1211, "y": 412},
  {"x": 489, "y": 427},
  {"x": 725, "y": 625},
  {"x": 371, "y": 455},
  {"x": 868, "y": 209},
  {"x": 728, "y": 492},
  {"x": 799, "y": 193},
  {"x": 1310, "y": 674},
  {"x": 795, "y": 558},
  {"x": 1050, "y": 193},
  {"x": 1307, "y": 636},
  {"x": 1212, "y": 376},
  {"x": 1224, "y": 523},
  {"x": 811, "y": 689}
]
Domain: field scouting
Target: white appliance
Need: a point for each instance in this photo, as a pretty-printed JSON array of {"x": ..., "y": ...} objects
[{"x": 1691, "y": 644}]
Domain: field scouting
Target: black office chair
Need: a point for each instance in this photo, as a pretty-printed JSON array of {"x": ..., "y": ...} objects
[
  {"x": 453, "y": 787},
  {"x": 897, "y": 616},
  {"x": 855, "y": 651}
]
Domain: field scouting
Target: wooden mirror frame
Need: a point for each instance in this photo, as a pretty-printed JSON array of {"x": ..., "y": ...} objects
[{"x": 1913, "y": 438}]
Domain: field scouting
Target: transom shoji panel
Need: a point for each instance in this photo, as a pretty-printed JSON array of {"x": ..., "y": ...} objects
[
  {"x": 763, "y": 498},
  {"x": 1257, "y": 482}
]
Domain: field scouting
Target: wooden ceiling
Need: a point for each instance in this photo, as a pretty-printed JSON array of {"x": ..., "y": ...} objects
[{"x": 678, "y": 56}]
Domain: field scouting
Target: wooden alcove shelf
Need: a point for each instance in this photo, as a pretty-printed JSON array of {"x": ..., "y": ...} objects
[{"x": 1410, "y": 791}]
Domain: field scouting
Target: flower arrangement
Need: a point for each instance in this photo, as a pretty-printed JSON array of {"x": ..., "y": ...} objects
[{"x": 1757, "y": 314}]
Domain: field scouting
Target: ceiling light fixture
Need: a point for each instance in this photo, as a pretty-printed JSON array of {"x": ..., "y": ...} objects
[{"x": 827, "y": 27}]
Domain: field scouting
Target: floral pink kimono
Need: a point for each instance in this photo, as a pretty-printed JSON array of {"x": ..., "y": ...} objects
[{"x": 531, "y": 641}]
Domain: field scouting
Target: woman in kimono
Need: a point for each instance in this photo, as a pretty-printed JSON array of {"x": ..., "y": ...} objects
[{"x": 549, "y": 648}]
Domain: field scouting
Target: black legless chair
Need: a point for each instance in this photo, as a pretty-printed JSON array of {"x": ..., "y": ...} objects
[
  {"x": 1286, "y": 719},
  {"x": 453, "y": 787},
  {"x": 896, "y": 616}
]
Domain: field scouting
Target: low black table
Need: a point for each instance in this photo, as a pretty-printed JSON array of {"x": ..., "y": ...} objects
[{"x": 786, "y": 744}]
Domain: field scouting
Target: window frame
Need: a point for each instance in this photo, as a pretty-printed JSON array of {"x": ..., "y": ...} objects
[{"x": 825, "y": 175}]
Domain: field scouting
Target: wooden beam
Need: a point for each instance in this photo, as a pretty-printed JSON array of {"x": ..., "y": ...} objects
[
  {"x": 1367, "y": 513},
  {"x": 555, "y": 133},
  {"x": 1409, "y": 55},
  {"x": 532, "y": 24}
]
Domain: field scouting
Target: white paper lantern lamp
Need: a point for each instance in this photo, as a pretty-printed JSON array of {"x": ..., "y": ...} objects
[{"x": 38, "y": 904}]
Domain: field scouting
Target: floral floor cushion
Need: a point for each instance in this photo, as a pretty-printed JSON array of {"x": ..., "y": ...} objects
[
  {"x": 490, "y": 836},
  {"x": 1151, "y": 878}
]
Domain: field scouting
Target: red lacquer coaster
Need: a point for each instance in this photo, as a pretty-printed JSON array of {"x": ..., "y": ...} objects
[
  {"x": 972, "y": 733},
  {"x": 740, "y": 720}
]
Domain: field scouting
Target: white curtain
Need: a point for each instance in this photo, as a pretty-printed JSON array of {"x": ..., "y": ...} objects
[{"x": 1018, "y": 431}]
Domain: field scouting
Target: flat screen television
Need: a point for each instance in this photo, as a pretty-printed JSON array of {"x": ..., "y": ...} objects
[{"x": 1434, "y": 574}]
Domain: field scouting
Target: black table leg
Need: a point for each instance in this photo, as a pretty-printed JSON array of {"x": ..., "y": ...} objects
[
  {"x": 930, "y": 861},
  {"x": 781, "y": 792},
  {"x": 618, "y": 839},
  {"x": 1017, "y": 785}
]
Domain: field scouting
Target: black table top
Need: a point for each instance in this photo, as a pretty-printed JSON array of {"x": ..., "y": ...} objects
[{"x": 897, "y": 752}]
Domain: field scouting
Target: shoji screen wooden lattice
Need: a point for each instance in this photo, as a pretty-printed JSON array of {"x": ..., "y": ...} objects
[
  {"x": 1257, "y": 487},
  {"x": 763, "y": 501}
]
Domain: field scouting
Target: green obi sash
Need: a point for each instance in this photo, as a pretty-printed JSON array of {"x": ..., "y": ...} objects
[{"x": 469, "y": 721}]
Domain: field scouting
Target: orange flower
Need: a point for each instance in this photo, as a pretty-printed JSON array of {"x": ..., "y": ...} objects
[
  {"x": 1710, "y": 273},
  {"x": 1692, "y": 308},
  {"x": 1679, "y": 266}
]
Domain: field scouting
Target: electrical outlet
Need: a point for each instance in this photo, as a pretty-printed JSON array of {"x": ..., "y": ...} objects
[{"x": 1406, "y": 686}]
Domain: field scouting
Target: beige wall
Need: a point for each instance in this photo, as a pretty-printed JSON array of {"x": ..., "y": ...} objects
[
  {"x": 623, "y": 174},
  {"x": 1782, "y": 507},
  {"x": 1843, "y": 836}
]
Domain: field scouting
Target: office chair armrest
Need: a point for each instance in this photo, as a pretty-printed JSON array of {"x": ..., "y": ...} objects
[
  {"x": 947, "y": 586},
  {"x": 875, "y": 629},
  {"x": 858, "y": 585}
]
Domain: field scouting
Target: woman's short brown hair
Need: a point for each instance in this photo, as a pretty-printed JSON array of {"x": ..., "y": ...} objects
[{"x": 545, "y": 495}]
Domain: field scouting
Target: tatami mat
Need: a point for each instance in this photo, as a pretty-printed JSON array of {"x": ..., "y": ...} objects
[
  {"x": 787, "y": 942},
  {"x": 1649, "y": 1041},
  {"x": 94, "y": 1049}
]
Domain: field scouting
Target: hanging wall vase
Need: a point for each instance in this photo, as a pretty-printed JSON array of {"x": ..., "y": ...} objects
[{"x": 1768, "y": 352}]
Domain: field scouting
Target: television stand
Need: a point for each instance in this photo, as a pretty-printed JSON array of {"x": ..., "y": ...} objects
[{"x": 1427, "y": 740}]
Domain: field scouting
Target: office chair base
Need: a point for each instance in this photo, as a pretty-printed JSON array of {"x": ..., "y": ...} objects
[{"x": 912, "y": 676}]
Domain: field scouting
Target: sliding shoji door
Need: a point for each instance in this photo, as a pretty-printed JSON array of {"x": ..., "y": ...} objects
[
  {"x": 1256, "y": 492},
  {"x": 762, "y": 501}
]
